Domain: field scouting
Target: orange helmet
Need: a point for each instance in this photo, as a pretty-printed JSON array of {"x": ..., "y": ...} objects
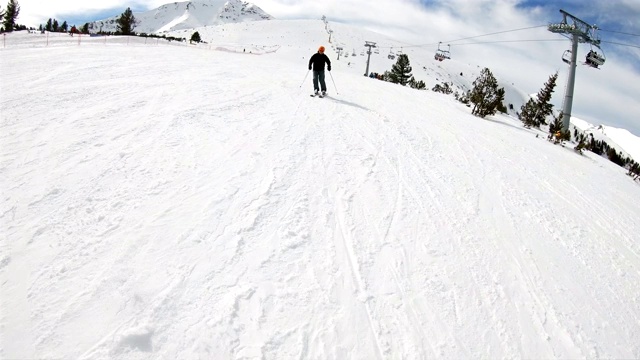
[{"x": 321, "y": 49}]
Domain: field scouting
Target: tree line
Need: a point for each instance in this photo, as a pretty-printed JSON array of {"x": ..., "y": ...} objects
[
  {"x": 487, "y": 98},
  {"x": 125, "y": 23},
  {"x": 53, "y": 25}
]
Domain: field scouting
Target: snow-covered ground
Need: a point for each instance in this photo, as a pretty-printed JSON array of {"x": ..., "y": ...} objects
[{"x": 181, "y": 202}]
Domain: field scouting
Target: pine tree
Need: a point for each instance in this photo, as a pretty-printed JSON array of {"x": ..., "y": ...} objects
[
  {"x": 126, "y": 22},
  {"x": 195, "y": 37},
  {"x": 535, "y": 111},
  {"x": 55, "y": 25},
  {"x": 463, "y": 98},
  {"x": 634, "y": 170},
  {"x": 401, "y": 70},
  {"x": 556, "y": 134},
  {"x": 485, "y": 95},
  {"x": 615, "y": 157},
  {"x": 64, "y": 27},
  {"x": 10, "y": 15},
  {"x": 445, "y": 88},
  {"x": 417, "y": 84},
  {"x": 582, "y": 143},
  {"x": 527, "y": 113},
  {"x": 85, "y": 28},
  {"x": 49, "y": 26},
  {"x": 1, "y": 12},
  {"x": 545, "y": 108}
]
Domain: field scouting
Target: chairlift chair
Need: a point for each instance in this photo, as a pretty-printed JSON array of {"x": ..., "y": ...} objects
[
  {"x": 442, "y": 54},
  {"x": 566, "y": 56},
  {"x": 595, "y": 58},
  {"x": 391, "y": 56}
]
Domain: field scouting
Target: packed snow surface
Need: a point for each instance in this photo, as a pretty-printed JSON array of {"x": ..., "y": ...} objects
[{"x": 184, "y": 202}]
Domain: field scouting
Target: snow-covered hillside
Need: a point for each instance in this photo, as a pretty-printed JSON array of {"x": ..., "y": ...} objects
[
  {"x": 181, "y": 202},
  {"x": 304, "y": 33},
  {"x": 618, "y": 138},
  {"x": 187, "y": 15}
]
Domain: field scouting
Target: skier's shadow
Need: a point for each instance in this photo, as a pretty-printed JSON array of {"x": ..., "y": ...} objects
[{"x": 349, "y": 103}]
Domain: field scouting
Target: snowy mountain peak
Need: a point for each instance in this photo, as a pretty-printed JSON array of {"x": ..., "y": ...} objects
[
  {"x": 236, "y": 10},
  {"x": 188, "y": 15}
]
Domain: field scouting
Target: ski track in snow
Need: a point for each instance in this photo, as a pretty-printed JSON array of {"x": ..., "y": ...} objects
[{"x": 194, "y": 208}]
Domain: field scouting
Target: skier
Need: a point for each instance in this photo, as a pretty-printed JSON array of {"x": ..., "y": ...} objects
[{"x": 318, "y": 59}]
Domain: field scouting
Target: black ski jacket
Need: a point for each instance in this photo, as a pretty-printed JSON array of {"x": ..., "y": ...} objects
[{"x": 318, "y": 61}]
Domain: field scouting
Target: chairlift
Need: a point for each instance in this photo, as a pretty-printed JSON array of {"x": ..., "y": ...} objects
[
  {"x": 566, "y": 56},
  {"x": 354, "y": 52},
  {"x": 376, "y": 51},
  {"x": 442, "y": 54},
  {"x": 391, "y": 55},
  {"x": 595, "y": 58}
]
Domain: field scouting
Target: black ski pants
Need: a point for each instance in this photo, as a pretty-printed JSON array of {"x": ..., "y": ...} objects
[{"x": 319, "y": 76}]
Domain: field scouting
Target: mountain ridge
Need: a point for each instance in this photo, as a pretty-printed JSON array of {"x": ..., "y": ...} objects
[{"x": 187, "y": 15}]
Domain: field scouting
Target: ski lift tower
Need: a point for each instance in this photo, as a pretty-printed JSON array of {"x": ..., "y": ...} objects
[
  {"x": 577, "y": 31},
  {"x": 370, "y": 45},
  {"x": 339, "y": 48}
]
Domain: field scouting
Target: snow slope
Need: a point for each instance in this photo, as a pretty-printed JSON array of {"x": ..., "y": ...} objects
[
  {"x": 181, "y": 202},
  {"x": 187, "y": 15},
  {"x": 459, "y": 75}
]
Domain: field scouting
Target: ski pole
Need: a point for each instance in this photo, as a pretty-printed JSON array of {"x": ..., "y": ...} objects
[
  {"x": 334, "y": 83},
  {"x": 305, "y": 79}
]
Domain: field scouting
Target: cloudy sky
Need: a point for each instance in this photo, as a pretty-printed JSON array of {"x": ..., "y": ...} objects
[{"x": 527, "y": 57}]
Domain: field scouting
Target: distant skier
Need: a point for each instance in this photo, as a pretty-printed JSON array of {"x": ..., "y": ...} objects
[{"x": 318, "y": 60}]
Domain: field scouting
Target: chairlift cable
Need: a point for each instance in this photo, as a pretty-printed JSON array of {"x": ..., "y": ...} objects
[
  {"x": 509, "y": 41},
  {"x": 619, "y": 32},
  {"x": 621, "y": 44},
  {"x": 495, "y": 33},
  {"x": 471, "y": 37}
]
